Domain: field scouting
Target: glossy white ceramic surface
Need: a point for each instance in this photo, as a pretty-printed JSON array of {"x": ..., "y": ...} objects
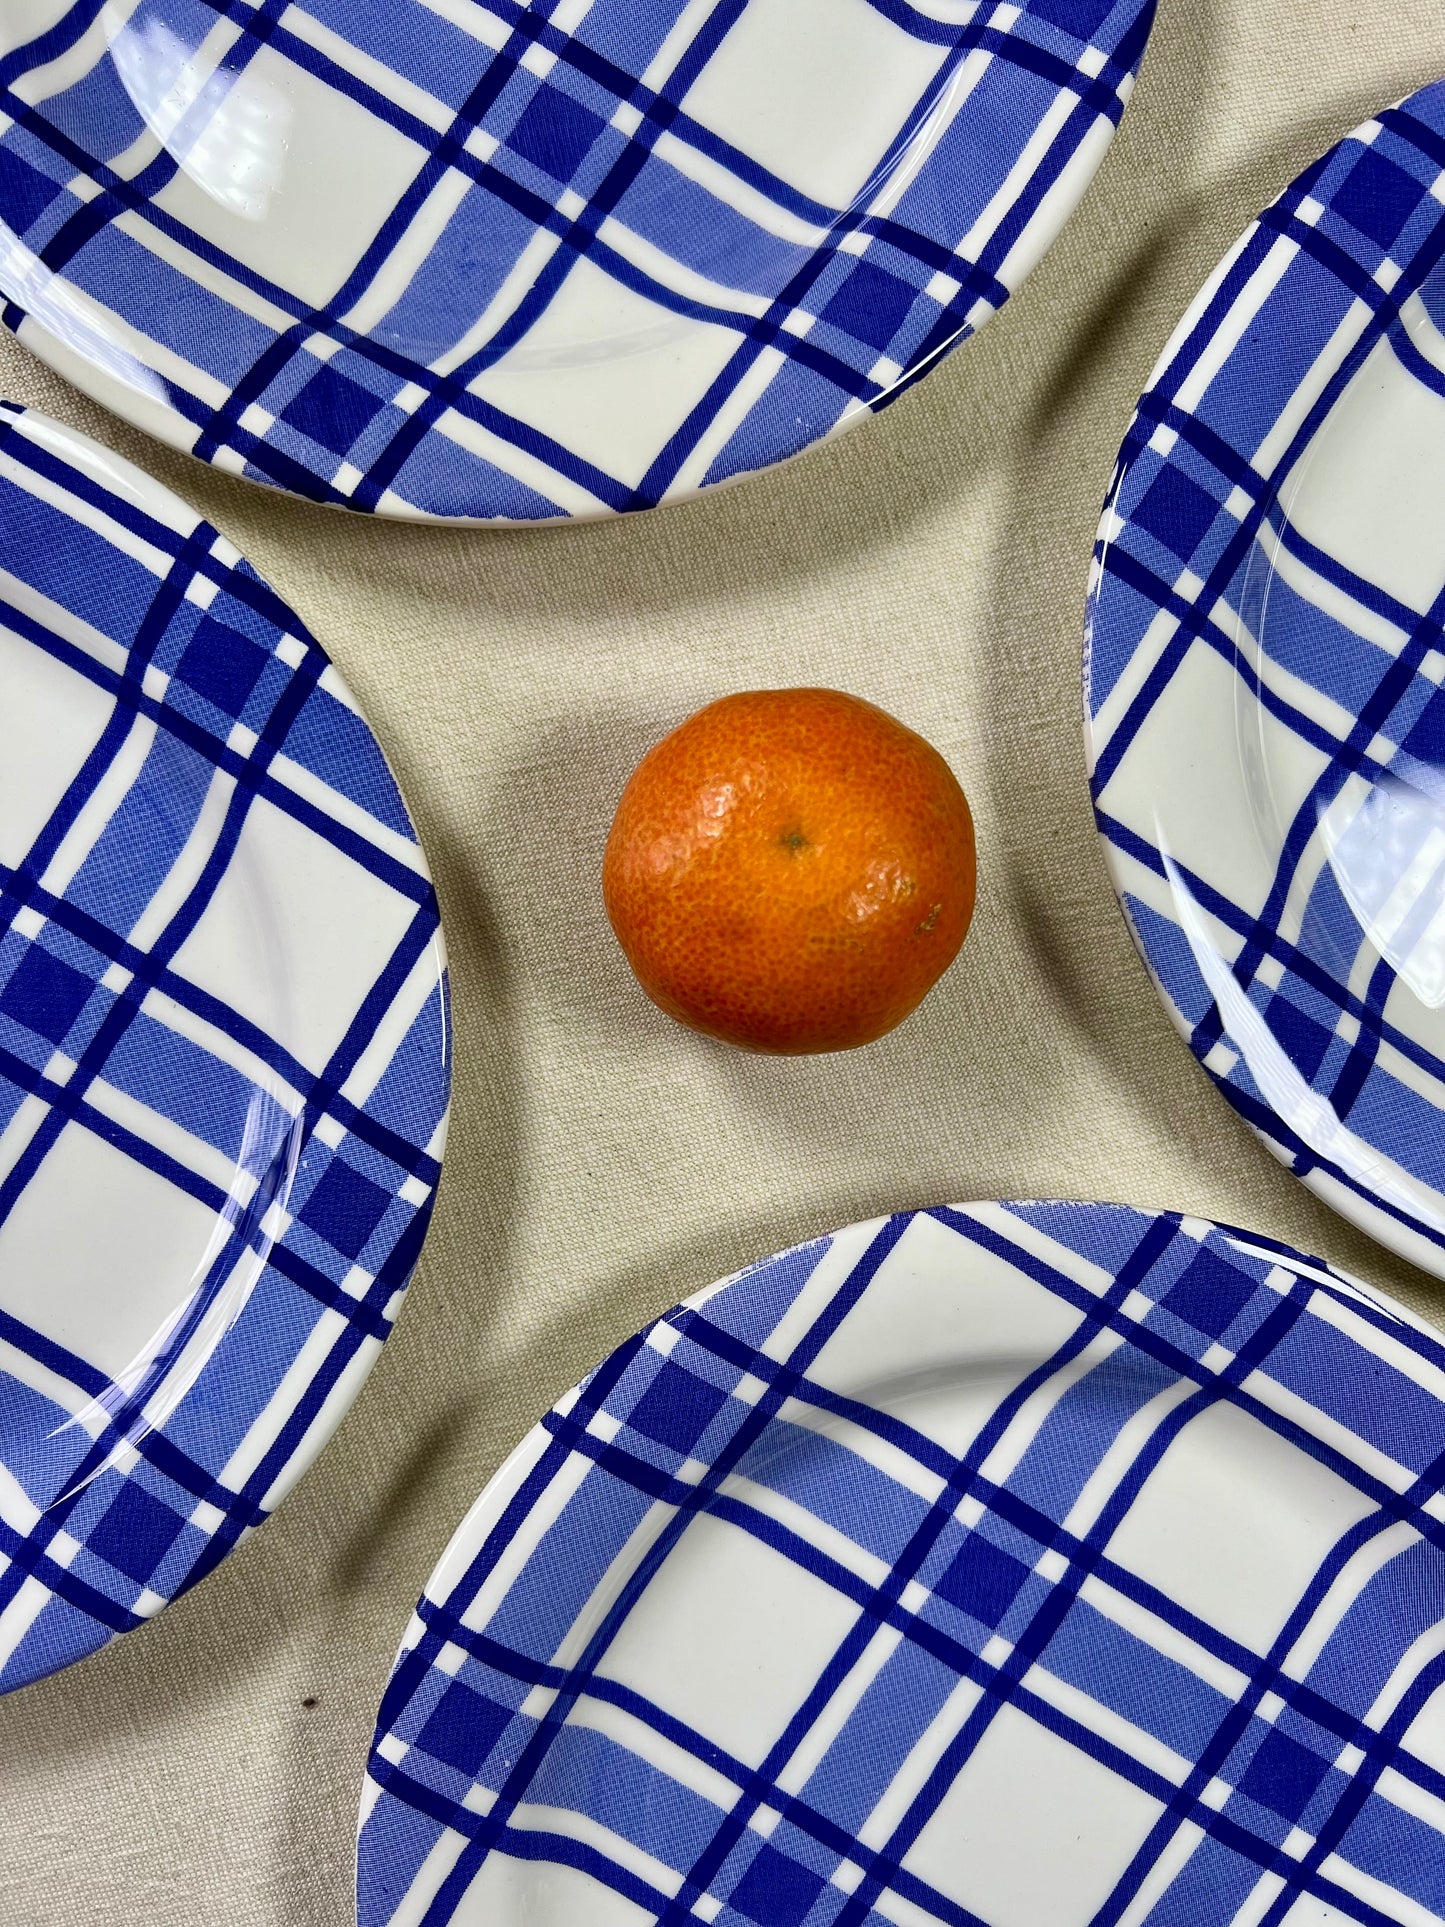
[
  {"x": 998, "y": 1564},
  {"x": 224, "y": 1062},
  {"x": 512, "y": 262}
]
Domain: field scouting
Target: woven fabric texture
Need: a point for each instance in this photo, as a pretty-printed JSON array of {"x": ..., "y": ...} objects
[{"x": 604, "y": 1163}]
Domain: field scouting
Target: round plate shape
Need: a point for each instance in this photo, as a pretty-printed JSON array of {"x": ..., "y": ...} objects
[
  {"x": 1263, "y": 677},
  {"x": 515, "y": 262},
  {"x": 991, "y": 1566},
  {"x": 223, "y": 1047}
]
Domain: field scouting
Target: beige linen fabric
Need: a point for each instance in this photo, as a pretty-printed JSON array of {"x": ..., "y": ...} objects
[{"x": 603, "y": 1161}]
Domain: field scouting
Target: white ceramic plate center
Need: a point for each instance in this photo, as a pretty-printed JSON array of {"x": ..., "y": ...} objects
[
  {"x": 997, "y": 1564},
  {"x": 1264, "y": 677},
  {"x": 528, "y": 262},
  {"x": 223, "y": 1061}
]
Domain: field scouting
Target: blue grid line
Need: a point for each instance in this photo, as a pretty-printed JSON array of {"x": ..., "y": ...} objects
[
  {"x": 245, "y": 1233},
  {"x": 885, "y": 1870},
  {"x": 747, "y": 1434},
  {"x": 251, "y": 772},
  {"x": 1308, "y": 968},
  {"x": 731, "y": 1329},
  {"x": 144, "y": 1501},
  {"x": 1194, "y": 621},
  {"x": 444, "y": 1626},
  {"x": 1158, "y": 407},
  {"x": 22, "y": 889},
  {"x": 1387, "y": 250},
  {"x": 324, "y": 1097},
  {"x": 1036, "y": 55}
]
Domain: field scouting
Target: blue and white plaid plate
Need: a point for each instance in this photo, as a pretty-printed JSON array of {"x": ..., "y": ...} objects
[
  {"x": 1264, "y": 667},
  {"x": 1044, "y": 1565},
  {"x": 483, "y": 260},
  {"x": 224, "y": 1061}
]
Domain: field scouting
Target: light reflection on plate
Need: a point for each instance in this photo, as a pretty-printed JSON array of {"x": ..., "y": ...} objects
[
  {"x": 998, "y": 1564},
  {"x": 532, "y": 262},
  {"x": 1265, "y": 718},
  {"x": 224, "y": 1065}
]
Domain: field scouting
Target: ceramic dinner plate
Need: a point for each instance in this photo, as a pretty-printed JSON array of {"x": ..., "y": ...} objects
[
  {"x": 223, "y": 1047},
  {"x": 1266, "y": 716},
  {"x": 996, "y": 1566},
  {"x": 493, "y": 261}
]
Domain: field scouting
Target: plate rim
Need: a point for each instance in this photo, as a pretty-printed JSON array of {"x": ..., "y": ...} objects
[
  {"x": 1407, "y": 1237},
  {"x": 165, "y": 423},
  {"x": 143, "y": 492},
  {"x": 500, "y": 1490}
]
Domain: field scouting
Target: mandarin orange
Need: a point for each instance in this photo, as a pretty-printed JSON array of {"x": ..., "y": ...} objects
[{"x": 790, "y": 870}]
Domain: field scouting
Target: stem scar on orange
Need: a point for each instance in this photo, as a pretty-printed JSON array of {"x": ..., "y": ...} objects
[{"x": 791, "y": 870}]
